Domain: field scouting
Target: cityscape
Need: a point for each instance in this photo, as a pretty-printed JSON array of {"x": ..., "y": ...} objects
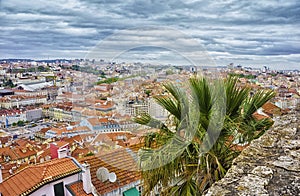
[{"x": 117, "y": 98}]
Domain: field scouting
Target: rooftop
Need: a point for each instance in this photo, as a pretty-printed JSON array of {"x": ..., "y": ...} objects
[
  {"x": 33, "y": 177},
  {"x": 121, "y": 161},
  {"x": 76, "y": 188}
]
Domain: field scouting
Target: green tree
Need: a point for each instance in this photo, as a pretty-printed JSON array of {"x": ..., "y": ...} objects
[
  {"x": 148, "y": 92},
  {"x": 108, "y": 81},
  {"x": 42, "y": 68},
  {"x": 9, "y": 83},
  {"x": 89, "y": 154},
  {"x": 75, "y": 67},
  {"x": 199, "y": 156},
  {"x": 20, "y": 123}
]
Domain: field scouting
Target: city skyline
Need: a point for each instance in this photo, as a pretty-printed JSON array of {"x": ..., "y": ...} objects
[{"x": 242, "y": 32}]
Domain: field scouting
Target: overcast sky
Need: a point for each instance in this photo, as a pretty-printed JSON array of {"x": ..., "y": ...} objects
[{"x": 250, "y": 33}]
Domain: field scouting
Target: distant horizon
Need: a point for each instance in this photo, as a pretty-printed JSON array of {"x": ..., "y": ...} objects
[{"x": 203, "y": 66}]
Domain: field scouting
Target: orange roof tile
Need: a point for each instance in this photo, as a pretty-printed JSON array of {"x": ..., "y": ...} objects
[
  {"x": 45, "y": 152},
  {"x": 258, "y": 116},
  {"x": 23, "y": 152},
  {"x": 81, "y": 128},
  {"x": 33, "y": 177},
  {"x": 101, "y": 137},
  {"x": 80, "y": 151},
  {"x": 100, "y": 121},
  {"x": 76, "y": 188},
  {"x": 271, "y": 108},
  {"x": 73, "y": 139},
  {"x": 119, "y": 161},
  {"x": 7, "y": 151},
  {"x": 61, "y": 143}
]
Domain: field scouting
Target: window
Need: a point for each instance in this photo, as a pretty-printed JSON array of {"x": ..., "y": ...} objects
[{"x": 59, "y": 189}]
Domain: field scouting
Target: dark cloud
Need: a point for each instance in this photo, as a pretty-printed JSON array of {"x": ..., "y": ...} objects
[{"x": 249, "y": 32}]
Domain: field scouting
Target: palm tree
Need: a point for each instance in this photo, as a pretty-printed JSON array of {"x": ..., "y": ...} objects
[{"x": 195, "y": 146}]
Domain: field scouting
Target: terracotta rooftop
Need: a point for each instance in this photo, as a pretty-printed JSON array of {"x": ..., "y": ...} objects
[
  {"x": 33, "y": 177},
  {"x": 100, "y": 121},
  {"x": 64, "y": 130},
  {"x": 121, "y": 162},
  {"x": 7, "y": 151},
  {"x": 258, "y": 116},
  {"x": 80, "y": 152},
  {"x": 21, "y": 142},
  {"x": 61, "y": 144},
  {"x": 101, "y": 137},
  {"x": 76, "y": 188},
  {"x": 4, "y": 140},
  {"x": 73, "y": 139},
  {"x": 271, "y": 108},
  {"x": 23, "y": 152},
  {"x": 81, "y": 128},
  {"x": 44, "y": 130},
  {"x": 45, "y": 152}
]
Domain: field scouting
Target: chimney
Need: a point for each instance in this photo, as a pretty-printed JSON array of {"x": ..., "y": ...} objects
[
  {"x": 1, "y": 178},
  {"x": 62, "y": 153},
  {"x": 86, "y": 178}
]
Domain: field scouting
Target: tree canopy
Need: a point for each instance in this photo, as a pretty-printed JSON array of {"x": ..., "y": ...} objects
[{"x": 197, "y": 144}]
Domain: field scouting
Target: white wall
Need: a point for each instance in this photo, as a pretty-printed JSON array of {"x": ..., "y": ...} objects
[{"x": 48, "y": 189}]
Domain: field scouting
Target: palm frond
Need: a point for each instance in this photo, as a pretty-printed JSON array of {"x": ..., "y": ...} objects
[
  {"x": 253, "y": 103},
  {"x": 235, "y": 97}
]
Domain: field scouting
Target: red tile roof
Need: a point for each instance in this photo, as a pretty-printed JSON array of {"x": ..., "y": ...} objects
[
  {"x": 270, "y": 108},
  {"x": 80, "y": 151},
  {"x": 4, "y": 140},
  {"x": 77, "y": 189},
  {"x": 258, "y": 116},
  {"x": 23, "y": 152},
  {"x": 73, "y": 139},
  {"x": 61, "y": 144},
  {"x": 7, "y": 151},
  {"x": 119, "y": 161},
  {"x": 33, "y": 177},
  {"x": 100, "y": 121}
]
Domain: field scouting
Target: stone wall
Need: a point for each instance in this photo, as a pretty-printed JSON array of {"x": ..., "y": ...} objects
[{"x": 269, "y": 166}]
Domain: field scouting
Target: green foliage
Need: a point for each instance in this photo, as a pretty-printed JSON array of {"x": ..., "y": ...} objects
[
  {"x": 247, "y": 76},
  {"x": 89, "y": 154},
  {"x": 199, "y": 159},
  {"x": 42, "y": 69},
  {"x": 75, "y": 67},
  {"x": 148, "y": 92},
  {"x": 169, "y": 72},
  {"x": 108, "y": 81},
  {"x": 102, "y": 75},
  {"x": 20, "y": 123},
  {"x": 9, "y": 83}
]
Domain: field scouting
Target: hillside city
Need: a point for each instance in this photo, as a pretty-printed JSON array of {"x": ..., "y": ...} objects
[{"x": 61, "y": 120}]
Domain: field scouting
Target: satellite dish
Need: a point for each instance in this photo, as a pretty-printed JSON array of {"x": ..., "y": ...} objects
[
  {"x": 102, "y": 174},
  {"x": 112, "y": 177}
]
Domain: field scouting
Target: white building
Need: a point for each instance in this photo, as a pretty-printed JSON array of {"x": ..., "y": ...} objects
[
  {"x": 34, "y": 114},
  {"x": 157, "y": 111}
]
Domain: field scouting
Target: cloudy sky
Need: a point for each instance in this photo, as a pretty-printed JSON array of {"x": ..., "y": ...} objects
[{"x": 250, "y": 33}]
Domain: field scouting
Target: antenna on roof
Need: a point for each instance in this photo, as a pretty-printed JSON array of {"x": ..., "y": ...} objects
[
  {"x": 112, "y": 177},
  {"x": 102, "y": 174}
]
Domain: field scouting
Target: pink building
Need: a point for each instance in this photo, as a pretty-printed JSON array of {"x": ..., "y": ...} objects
[{"x": 59, "y": 149}]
